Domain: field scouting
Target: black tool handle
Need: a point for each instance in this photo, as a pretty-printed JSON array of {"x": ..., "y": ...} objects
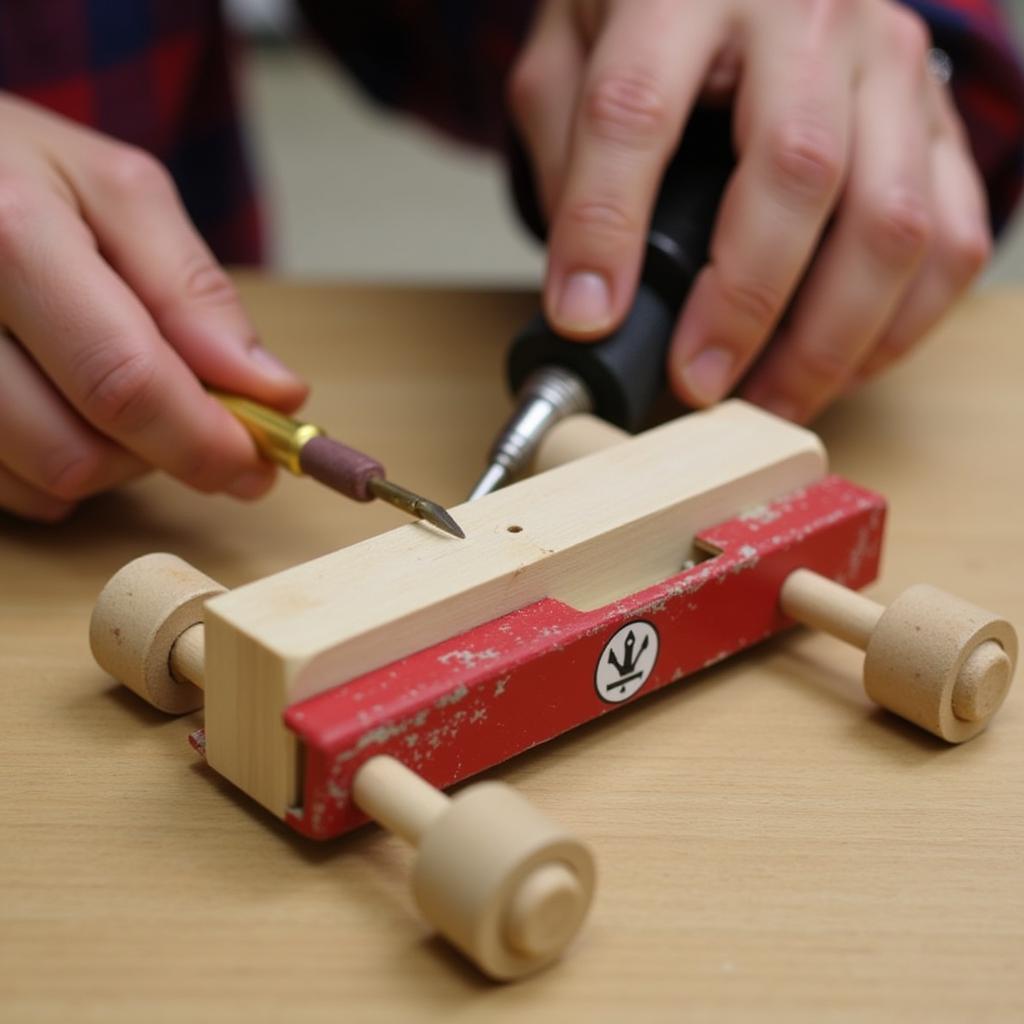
[{"x": 625, "y": 372}]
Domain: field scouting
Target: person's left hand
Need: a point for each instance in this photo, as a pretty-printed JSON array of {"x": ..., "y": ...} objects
[{"x": 855, "y": 207}]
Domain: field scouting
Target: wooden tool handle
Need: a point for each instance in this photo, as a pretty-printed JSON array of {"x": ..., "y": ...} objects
[{"x": 573, "y": 438}]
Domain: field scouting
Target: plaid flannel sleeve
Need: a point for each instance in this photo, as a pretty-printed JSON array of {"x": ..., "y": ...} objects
[
  {"x": 153, "y": 73},
  {"x": 157, "y": 73},
  {"x": 446, "y": 62},
  {"x": 988, "y": 87}
]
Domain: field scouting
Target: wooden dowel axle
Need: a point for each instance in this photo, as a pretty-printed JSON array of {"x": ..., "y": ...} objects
[
  {"x": 187, "y": 656},
  {"x": 502, "y": 882},
  {"x": 397, "y": 798},
  {"x": 823, "y": 604},
  {"x": 930, "y": 657}
]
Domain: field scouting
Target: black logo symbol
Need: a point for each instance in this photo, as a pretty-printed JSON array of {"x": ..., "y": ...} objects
[
  {"x": 627, "y": 667},
  {"x": 626, "y": 661}
]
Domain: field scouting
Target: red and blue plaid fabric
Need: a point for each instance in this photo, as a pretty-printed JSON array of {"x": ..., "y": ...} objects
[
  {"x": 988, "y": 87},
  {"x": 157, "y": 73}
]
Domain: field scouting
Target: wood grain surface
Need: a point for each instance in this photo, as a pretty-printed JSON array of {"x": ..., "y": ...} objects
[{"x": 770, "y": 846}]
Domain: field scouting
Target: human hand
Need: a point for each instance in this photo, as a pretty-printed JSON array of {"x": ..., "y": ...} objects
[
  {"x": 855, "y": 208},
  {"x": 111, "y": 311}
]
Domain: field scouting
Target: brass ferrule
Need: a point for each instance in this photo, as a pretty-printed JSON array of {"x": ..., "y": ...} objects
[{"x": 278, "y": 437}]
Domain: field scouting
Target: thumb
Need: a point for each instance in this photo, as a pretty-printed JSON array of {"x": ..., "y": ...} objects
[{"x": 207, "y": 325}]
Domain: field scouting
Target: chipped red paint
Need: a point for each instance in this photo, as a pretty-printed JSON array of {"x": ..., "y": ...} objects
[
  {"x": 197, "y": 740},
  {"x": 475, "y": 700}
]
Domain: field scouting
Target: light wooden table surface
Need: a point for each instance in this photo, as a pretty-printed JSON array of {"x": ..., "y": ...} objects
[{"x": 770, "y": 846}]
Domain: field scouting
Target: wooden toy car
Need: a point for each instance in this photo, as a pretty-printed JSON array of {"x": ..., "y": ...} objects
[{"x": 353, "y": 685}]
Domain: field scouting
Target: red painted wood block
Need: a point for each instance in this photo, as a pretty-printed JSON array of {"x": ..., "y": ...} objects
[{"x": 477, "y": 699}]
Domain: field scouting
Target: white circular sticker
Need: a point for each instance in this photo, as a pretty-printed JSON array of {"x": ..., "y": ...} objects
[{"x": 626, "y": 662}]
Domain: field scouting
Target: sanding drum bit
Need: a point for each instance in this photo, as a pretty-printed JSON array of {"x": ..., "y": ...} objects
[{"x": 305, "y": 450}]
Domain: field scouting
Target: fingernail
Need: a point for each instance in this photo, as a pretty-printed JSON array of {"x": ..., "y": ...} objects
[
  {"x": 270, "y": 365},
  {"x": 253, "y": 483},
  {"x": 709, "y": 373},
  {"x": 585, "y": 303}
]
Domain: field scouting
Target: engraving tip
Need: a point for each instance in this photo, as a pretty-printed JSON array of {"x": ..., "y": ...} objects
[
  {"x": 415, "y": 505},
  {"x": 441, "y": 518}
]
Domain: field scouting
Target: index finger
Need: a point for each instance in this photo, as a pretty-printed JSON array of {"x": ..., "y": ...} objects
[
  {"x": 643, "y": 79},
  {"x": 93, "y": 338}
]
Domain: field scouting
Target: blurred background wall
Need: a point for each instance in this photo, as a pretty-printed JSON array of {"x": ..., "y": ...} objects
[{"x": 357, "y": 192}]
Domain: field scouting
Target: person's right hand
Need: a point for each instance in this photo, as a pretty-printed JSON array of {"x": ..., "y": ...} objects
[{"x": 111, "y": 311}]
